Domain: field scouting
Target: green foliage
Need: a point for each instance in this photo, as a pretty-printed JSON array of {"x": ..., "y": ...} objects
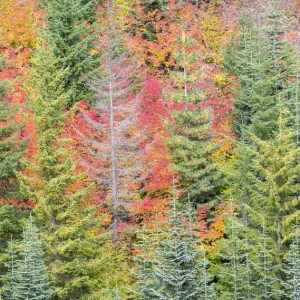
[
  {"x": 266, "y": 190},
  {"x": 75, "y": 249},
  {"x": 10, "y": 228},
  {"x": 233, "y": 270},
  {"x": 262, "y": 64},
  {"x": 293, "y": 270},
  {"x": 192, "y": 146},
  {"x": 28, "y": 277},
  {"x": 70, "y": 31},
  {"x": 11, "y": 147},
  {"x": 11, "y": 151},
  {"x": 173, "y": 267}
]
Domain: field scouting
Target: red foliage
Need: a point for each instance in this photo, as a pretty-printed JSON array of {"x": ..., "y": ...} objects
[{"x": 156, "y": 160}]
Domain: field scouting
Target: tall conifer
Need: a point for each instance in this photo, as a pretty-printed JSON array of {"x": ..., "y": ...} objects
[
  {"x": 12, "y": 148},
  {"x": 28, "y": 276},
  {"x": 192, "y": 145},
  {"x": 70, "y": 30},
  {"x": 65, "y": 221},
  {"x": 175, "y": 268}
]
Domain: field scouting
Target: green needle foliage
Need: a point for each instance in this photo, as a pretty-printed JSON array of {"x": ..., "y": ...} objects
[
  {"x": 266, "y": 190},
  {"x": 28, "y": 277},
  {"x": 66, "y": 222},
  {"x": 10, "y": 228},
  {"x": 11, "y": 148},
  {"x": 293, "y": 269},
  {"x": 174, "y": 269},
  {"x": 70, "y": 31},
  {"x": 11, "y": 151},
  {"x": 263, "y": 65},
  {"x": 192, "y": 146}
]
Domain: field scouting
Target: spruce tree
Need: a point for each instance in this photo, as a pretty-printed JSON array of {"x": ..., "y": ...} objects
[
  {"x": 66, "y": 223},
  {"x": 292, "y": 270},
  {"x": 28, "y": 277},
  {"x": 10, "y": 228},
  {"x": 175, "y": 269},
  {"x": 263, "y": 65},
  {"x": 233, "y": 271},
  {"x": 192, "y": 145},
  {"x": 12, "y": 148},
  {"x": 266, "y": 190},
  {"x": 70, "y": 30}
]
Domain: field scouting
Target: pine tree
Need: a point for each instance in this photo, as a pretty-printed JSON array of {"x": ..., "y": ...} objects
[
  {"x": 70, "y": 30},
  {"x": 292, "y": 270},
  {"x": 12, "y": 148},
  {"x": 28, "y": 277},
  {"x": 66, "y": 222},
  {"x": 10, "y": 228},
  {"x": 175, "y": 269},
  {"x": 192, "y": 145},
  {"x": 263, "y": 64}
]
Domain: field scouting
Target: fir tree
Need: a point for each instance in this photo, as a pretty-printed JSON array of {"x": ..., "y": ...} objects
[
  {"x": 175, "y": 269},
  {"x": 233, "y": 271},
  {"x": 10, "y": 228},
  {"x": 66, "y": 222},
  {"x": 267, "y": 191},
  {"x": 12, "y": 148},
  {"x": 263, "y": 64},
  {"x": 192, "y": 145},
  {"x": 292, "y": 270},
  {"x": 71, "y": 33},
  {"x": 28, "y": 277}
]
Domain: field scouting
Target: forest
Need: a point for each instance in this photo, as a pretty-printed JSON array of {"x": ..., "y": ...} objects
[{"x": 149, "y": 149}]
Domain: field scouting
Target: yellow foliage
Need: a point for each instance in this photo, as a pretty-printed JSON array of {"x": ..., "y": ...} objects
[{"x": 214, "y": 36}]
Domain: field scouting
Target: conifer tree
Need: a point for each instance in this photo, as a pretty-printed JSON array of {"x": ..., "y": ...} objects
[
  {"x": 192, "y": 145},
  {"x": 70, "y": 30},
  {"x": 234, "y": 269},
  {"x": 28, "y": 277},
  {"x": 267, "y": 192},
  {"x": 292, "y": 269},
  {"x": 175, "y": 269},
  {"x": 10, "y": 228},
  {"x": 111, "y": 147},
  {"x": 12, "y": 148},
  {"x": 263, "y": 64},
  {"x": 66, "y": 223}
]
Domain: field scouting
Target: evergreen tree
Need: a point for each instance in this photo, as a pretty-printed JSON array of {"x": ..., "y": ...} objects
[
  {"x": 263, "y": 64},
  {"x": 266, "y": 189},
  {"x": 175, "y": 269},
  {"x": 10, "y": 228},
  {"x": 28, "y": 277},
  {"x": 12, "y": 148},
  {"x": 66, "y": 222},
  {"x": 192, "y": 145},
  {"x": 144, "y": 274},
  {"x": 233, "y": 271},
  {"x": 70, "y": 30},
  {"x": 292, "y": 290}
]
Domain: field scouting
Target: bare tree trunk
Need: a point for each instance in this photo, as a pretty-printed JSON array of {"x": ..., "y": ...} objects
[{"x": 112, "y": 133}]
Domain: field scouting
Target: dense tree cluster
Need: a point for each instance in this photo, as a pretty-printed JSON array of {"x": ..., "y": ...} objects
[{"x": 149, "y": 150}]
